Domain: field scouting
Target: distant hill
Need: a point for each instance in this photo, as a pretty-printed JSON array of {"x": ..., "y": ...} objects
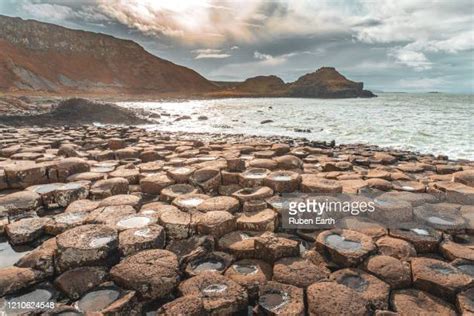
[{"x": 37, "y": 56}]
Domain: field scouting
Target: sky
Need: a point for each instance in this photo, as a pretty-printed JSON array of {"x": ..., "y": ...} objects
[{"x": 390, "y": 45}]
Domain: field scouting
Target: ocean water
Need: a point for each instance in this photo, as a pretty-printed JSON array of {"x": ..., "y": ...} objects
[{"x": 428, "y": 123}]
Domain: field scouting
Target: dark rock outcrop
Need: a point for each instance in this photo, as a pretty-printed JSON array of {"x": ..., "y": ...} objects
[{"x": 327, "y": 82}]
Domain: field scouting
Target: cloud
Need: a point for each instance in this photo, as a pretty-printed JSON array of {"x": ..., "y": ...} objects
[
  {"x": 212, "y": 55},
  {"x": 208, "y": 53},
  {"x": 410, "y": 58}
]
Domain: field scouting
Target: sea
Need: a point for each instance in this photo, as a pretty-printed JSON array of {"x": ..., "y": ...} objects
[{"x": 435, "y": 123}]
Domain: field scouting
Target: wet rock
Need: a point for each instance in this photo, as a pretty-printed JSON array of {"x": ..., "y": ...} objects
[
  {"x": 216, "y": 223},
  {"x": 211, "y": 262},
  {"x": 134, "y": 240},
  {"x": 86, "y": 245},
  {"x": 152, "y": 273},
  {"x": 76, "y": 282},
  {"x": 394, "y": 247},
  {"x": 439, "y": 278},
  {"x": 280, "y": 299},
  {"x": 270, "y": 247},
  {"x": 264, "y": 220},
  {"x": 322, "y": 301},
  {"x": 311, "y": 183},
  {"x": 219, "y": 294},
  {"x": 154, "y": 183},
  {"x": 298, "y": 272},
  {"x": 345, "y": 247},
  {"x": 251, "y": 274},
  {"x": 414, "y": 302},
  {"x": 13, "y": 279},
  {"x": 105, "y": 188},
  {"x": 185, "y": 305},
  {"x": 108, "y": 299},
  {"x": 20, "y": 204},
  {"x": 371, "y": 289},
  {"x": 26, "y": 230},
  {"x": 391, "y": 270}
]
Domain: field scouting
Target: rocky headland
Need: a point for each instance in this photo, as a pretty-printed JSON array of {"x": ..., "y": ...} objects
[
  {"x": 120, "y": 220},
  {"x": 45, "y": 59}
]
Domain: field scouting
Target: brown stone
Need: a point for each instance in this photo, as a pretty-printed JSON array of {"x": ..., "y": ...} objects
[
  {"x": 413, "y": 302},
  {"x": 76, "y": 282},
  {"x": 298, "y": 272},
  {"x": 389, "y": 269}
]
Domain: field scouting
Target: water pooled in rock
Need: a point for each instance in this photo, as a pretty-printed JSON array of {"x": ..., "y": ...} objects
[
  {"x": 281, "y": 178},
  {"x": 134, "y": 222},
  {"x": 467, "y": 268},
  {"x": 443, "y": 269},
  {"x": 208, "y": 265},
  {"x": 100, "y": 241},
  {"x": 97, "y": 300},
  {"x": 420, "y": 231},
  {"x": 439, "y": 220},
  {"x": 340, "y": 242},
  {"x": 9, "y": 255},
  {"x": 193, "y": 202},
  {"x": 143, "y": 233},
  {"x": 245, "y": 269},
  {"x": 274, "y": 300},
  {"x": 214, "y": 288}
]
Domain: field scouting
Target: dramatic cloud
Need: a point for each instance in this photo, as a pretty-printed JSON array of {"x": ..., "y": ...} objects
[{"x": 380, "y": 42}]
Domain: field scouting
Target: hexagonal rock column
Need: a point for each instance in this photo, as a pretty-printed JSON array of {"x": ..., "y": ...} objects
[
  {"x": 311, "y": 183},
  {"x": 137, "y": 239},
  {"x": 67, "y": 167},
  {"x": 154, "y": 183},
  {"x": 253, "y": 177},
  {"x": 397, "y": 248},
  {"x": 207, "y": 179},
  {"x": 280, "y": 299},
  {"x": 373, "y": 290},
  {"x": 20, "y": 204},
  {"x": 298, "y": 272},
  {"x": 177, "y": 224},
  {"x": 219, "y": 203},
  {"x": 464, "y": 302},
  {"x": 61, "y": 194},
  {"x": 250, "y": 273},
  {"x": 264, "y": 220},
  {"x": 391, "y": 270},
  {"x": 391, "y": 212},
  {"x": 219, "y": 294},
  {"x": 323, "y": 301},
  {"x": 76, "y": 282},
  {"x": 345, "y": 247},
  {"x": 239, "y": 243},
  {"x": 441, "y": 216},
  {"x": 173, "y": 191},
  {"x": 152, "y": 273},
  {"x": 465, "y": 177},
  {"x": 439, "y": 278},
  {"x": 189, "y": 202},
  {"x": 425, "y": 239},
  {"x": 86, "y": 245},
  {"x": 186, "y": 305},
  {"x": 288, "y": 162},
  {"x": 26, "y": 230},
  {"x": 257, "y": 193},
  {"x": 104, "y": 188},
  {"x": 283, "y": 181},
  {"x": 270, "y": 247},
  {"x": 21, "y": 175},
  {"x": 415, "y": 302},
  {"x": 180, "y": 174},
  {"x": 13, "y": 279},
  {"x": 216, "y": 223},
  {"x": 215, "y": 261}
]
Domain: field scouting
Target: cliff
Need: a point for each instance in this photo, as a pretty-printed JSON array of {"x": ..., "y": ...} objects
[{"x": 37, "y": 56}]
